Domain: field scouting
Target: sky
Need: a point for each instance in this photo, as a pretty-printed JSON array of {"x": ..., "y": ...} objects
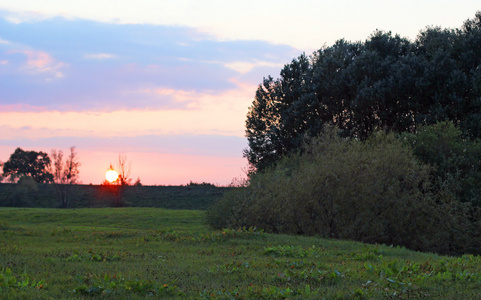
[{"x": 168, "y": 84}]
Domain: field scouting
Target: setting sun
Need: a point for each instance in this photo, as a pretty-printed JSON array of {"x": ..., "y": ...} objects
[{"x": 111, "y": 175}]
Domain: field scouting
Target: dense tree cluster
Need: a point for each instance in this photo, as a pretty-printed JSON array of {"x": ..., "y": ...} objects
[
  {"x": 378, "y": 142},
  {"x": 385, "y": 83},
  {"x": 374, "y": 191}
]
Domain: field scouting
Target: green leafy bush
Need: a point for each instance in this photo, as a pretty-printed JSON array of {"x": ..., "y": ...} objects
[
  {"x": 456, "y": 160},
  {"x": 374, "y": 191},
  {"x": 25, "y": 192},
  {"x": 8, "y": 280}
]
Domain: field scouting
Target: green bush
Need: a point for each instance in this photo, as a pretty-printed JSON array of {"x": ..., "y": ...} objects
[
  {"x": 374, "y": 191},
  {"x": 25, "y": 192},
  {"x": 456, "y": 160}
]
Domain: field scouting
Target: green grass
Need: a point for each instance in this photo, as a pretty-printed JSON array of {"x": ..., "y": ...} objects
[{"x": 136, "y": 253}]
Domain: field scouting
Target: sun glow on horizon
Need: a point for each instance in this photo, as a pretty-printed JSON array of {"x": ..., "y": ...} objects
[{"x": 111, "y": 175}]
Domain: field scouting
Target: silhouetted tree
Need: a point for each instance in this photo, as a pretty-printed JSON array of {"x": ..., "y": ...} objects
[
  {"x": 28, "y": 163},
  {"x": 124, "y": 168},
  {"x": 137, "y": 182},
  {"x": 65, "y": 173},
  {"x": 1, "y": 168}
]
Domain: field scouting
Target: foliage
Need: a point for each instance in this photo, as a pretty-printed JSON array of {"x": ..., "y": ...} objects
[
  {"x": 138, "y": 253},
  {"x": 28, "y": 163},
  {"x": 200, "y": 184},
  {"x": 456, "y": 160},
  {"x": 385, "y": 83},
  {"x": 111, "y": 285},
  {"x": 25, "y": 192},
  {"x": 9, "y": 281},
  {"x": 373, "y": 191},
  {"x": 82, "y": 196},
  {"x": 287, "y": 251}
]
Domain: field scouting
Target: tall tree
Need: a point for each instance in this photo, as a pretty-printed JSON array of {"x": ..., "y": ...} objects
[
  {"x": 386, "y": 82},
  {"x": 65, "y": 173},
  {"x": 28, "y": 163}
]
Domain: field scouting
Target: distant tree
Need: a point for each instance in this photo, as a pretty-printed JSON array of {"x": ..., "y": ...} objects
[
  {"x": 137, "y": 182},
  {"x": 28, "y": 163},
  {"x": 118, "y": 186},
  {"x": 65, "y": 173},
  {"x": 1, "y": 169},
  {"x": 124, "y": 168}
]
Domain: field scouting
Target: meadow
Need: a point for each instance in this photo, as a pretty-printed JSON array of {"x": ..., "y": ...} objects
[{"x": 137, "y": 253}]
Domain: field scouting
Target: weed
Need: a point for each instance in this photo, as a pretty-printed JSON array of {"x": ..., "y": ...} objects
[
  {"x": 170, "y": 254},
  {"x": 92, "y": 256},
  {"x": 8, "y": 280},
  {"x": 101, "y": 285},
  {"x": 287, "y": 251},
  {"x": 229, "y": 268},
  {"x": 310, "y": 276}
]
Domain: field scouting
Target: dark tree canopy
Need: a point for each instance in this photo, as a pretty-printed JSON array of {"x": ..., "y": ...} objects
[
  {"x": 28, "y": 163},
  {"x": 385, "y": 83}
]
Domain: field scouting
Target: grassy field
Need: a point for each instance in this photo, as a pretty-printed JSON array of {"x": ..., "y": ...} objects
[{"x": 137, "y": 253}]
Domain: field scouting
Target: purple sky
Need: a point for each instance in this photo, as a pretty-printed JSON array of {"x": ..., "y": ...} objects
[{"x": 167, "y": 84}]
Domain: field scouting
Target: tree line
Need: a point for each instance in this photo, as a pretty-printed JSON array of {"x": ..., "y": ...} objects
[
  {"x": 376, "y": 141},
  {"x": 29, "y": 168}
]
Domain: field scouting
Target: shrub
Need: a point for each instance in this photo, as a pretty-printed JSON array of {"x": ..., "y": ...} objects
[
  {"x": 456, "y": 160},
  {"x": 373, "y": 191},
  {"x": 25, "y": 192}
]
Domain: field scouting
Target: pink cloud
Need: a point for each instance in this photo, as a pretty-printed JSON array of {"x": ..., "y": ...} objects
[
  {"x": 38, "y": 60},
  {"x": 21, "y": 108},
  {"x": 41, "y": 62}
]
